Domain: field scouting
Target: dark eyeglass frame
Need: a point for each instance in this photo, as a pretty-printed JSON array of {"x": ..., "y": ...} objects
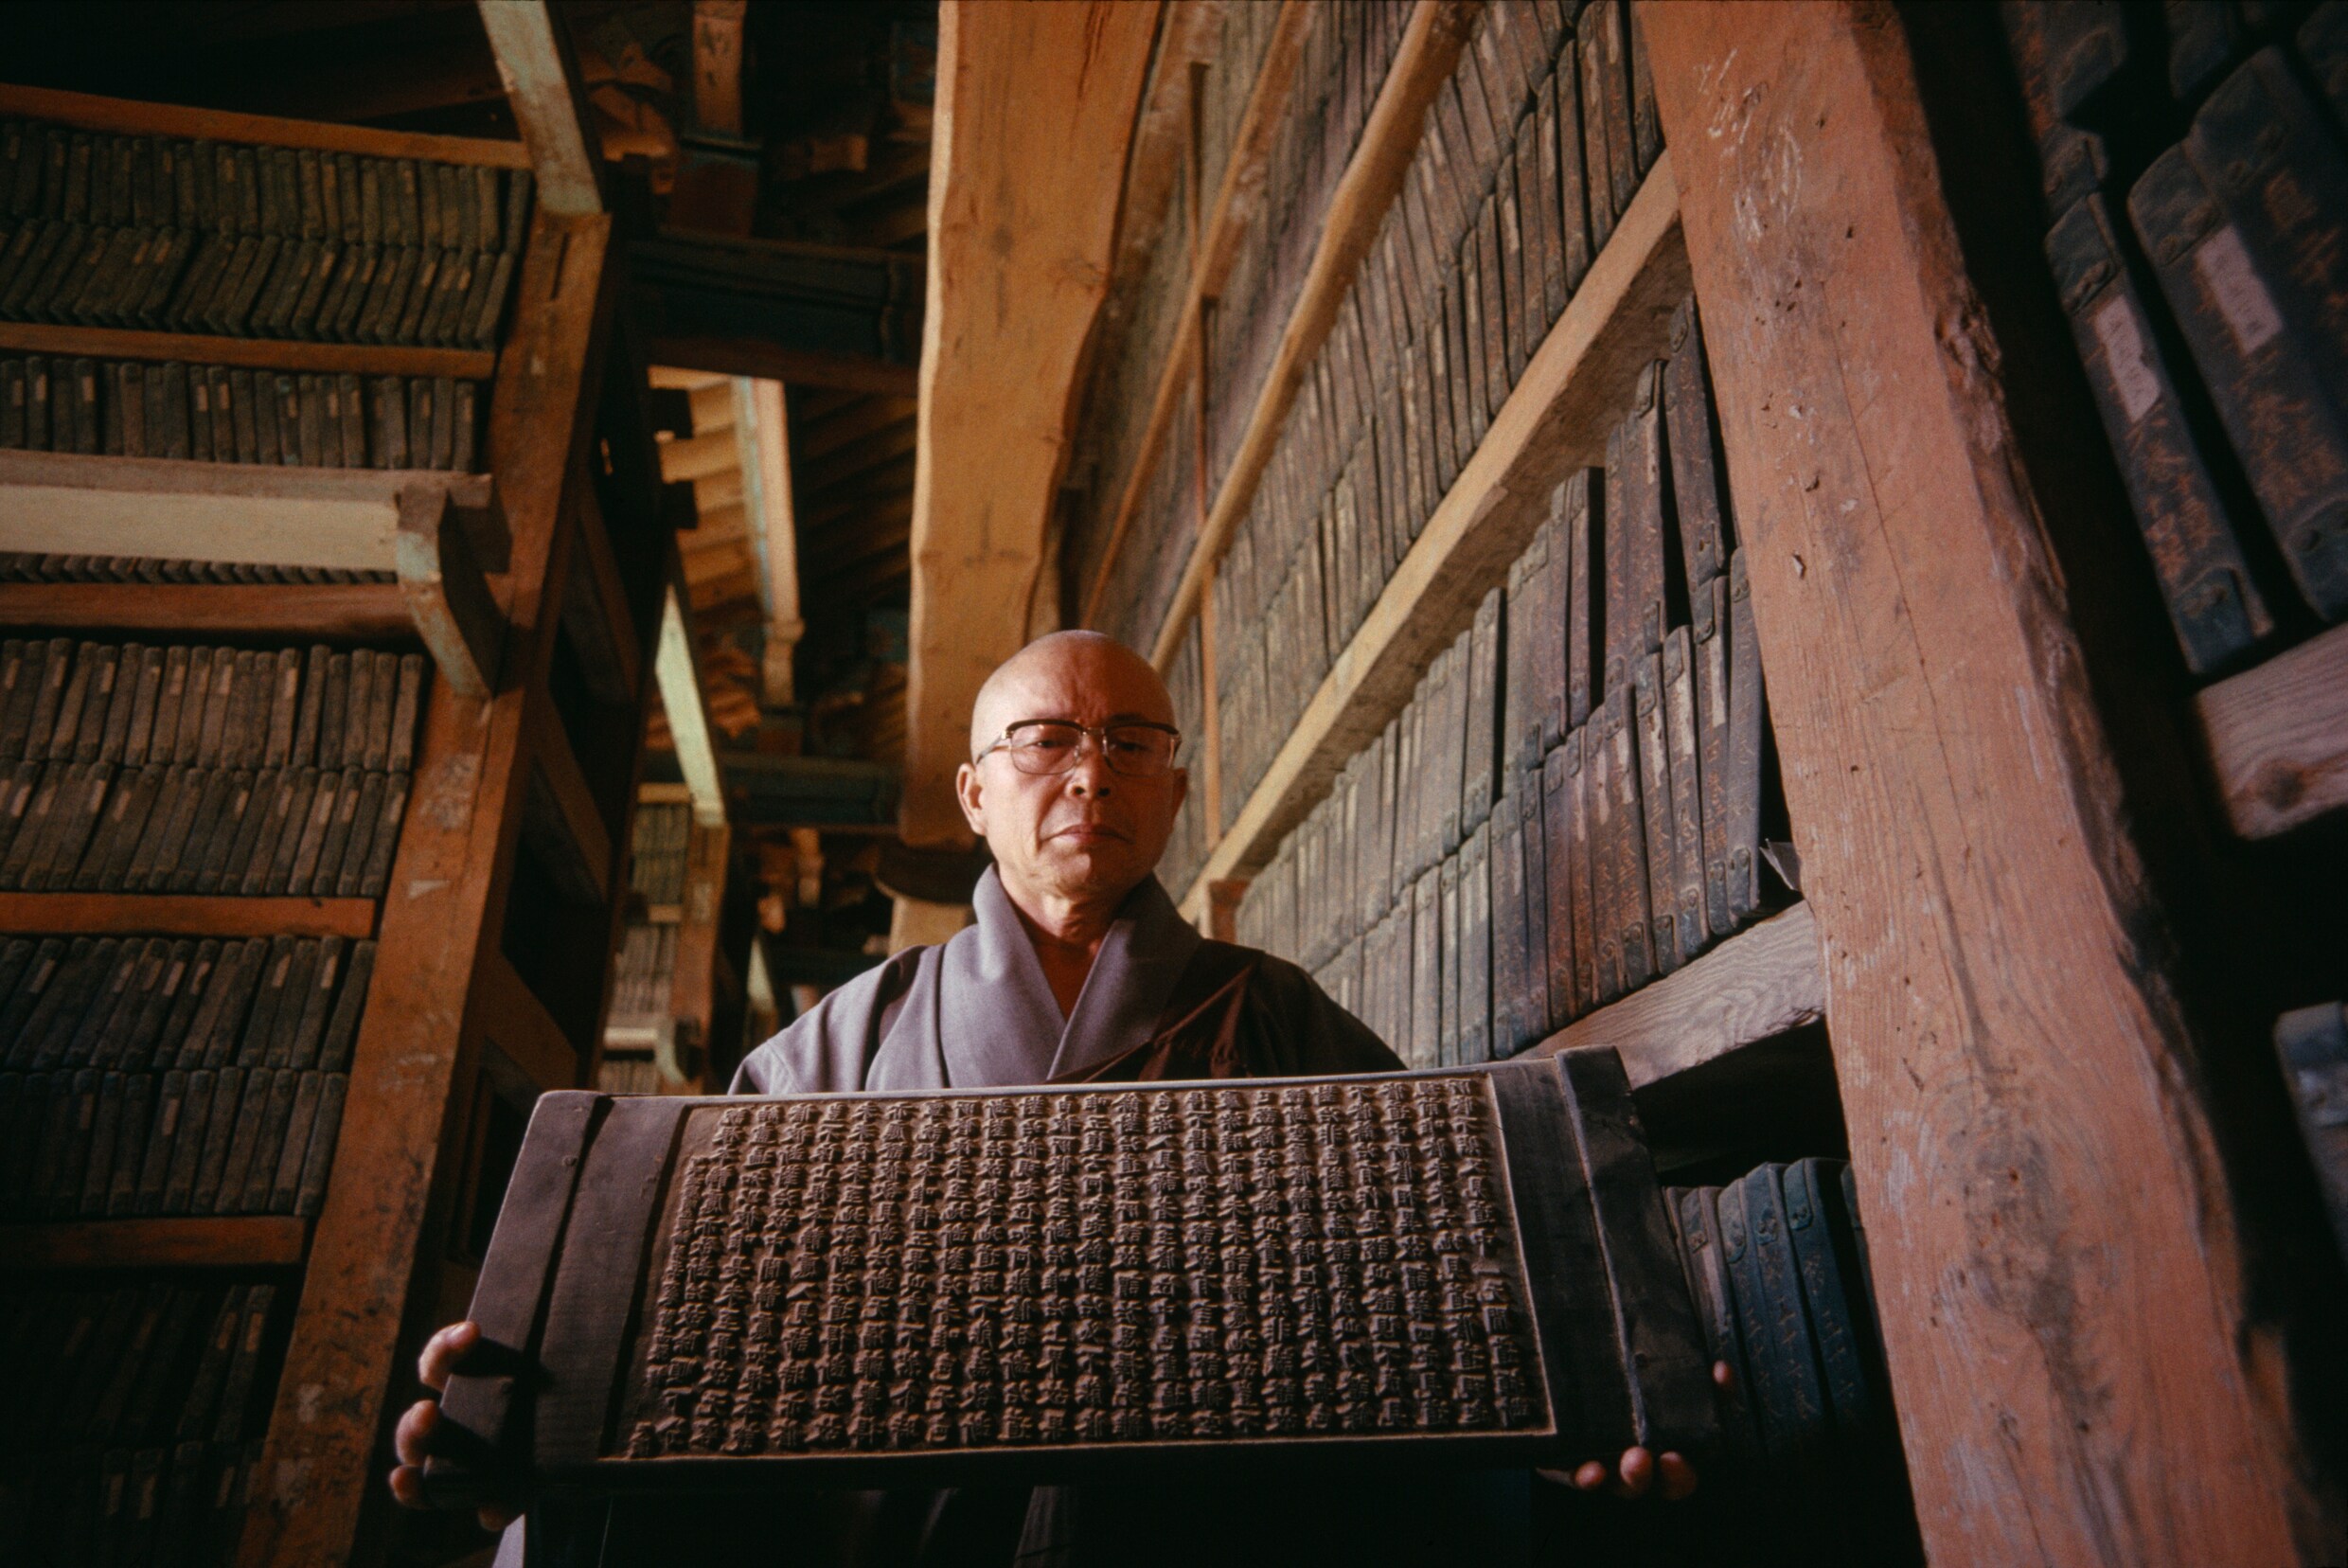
[{"x": 1097, "y": 734}]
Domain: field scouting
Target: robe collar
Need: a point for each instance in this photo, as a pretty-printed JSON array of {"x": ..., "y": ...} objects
[{"x": 998, "y": 1025}]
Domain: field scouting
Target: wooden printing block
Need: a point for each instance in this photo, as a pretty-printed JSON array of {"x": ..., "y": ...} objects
[{"x": 1083, "y": 1283}]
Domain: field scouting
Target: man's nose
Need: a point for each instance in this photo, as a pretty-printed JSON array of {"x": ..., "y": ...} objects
[{"x": 1090, "y": 775}]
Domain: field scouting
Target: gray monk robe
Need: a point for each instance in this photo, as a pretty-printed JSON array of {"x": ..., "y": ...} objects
[{"x": 1161, "y": 1002}]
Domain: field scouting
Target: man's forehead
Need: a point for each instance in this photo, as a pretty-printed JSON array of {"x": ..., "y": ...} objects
[{"x": 1091, "y": 679}]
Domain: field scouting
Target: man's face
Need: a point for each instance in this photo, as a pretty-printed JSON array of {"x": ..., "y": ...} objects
[{"x": 1090, "y": 832}]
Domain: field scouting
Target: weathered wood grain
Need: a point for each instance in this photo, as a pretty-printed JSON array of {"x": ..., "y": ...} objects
[
  {"x": 69, "y": 503},
  {"x": 1755, "y": 986},
  {"x": 2278, "y": 737},
  {"x": 1022, "y": 213},
  {"x": 185, "y": 914},
  {"x": 333, "y": 610},
  {"x": 2052, "y": 1237},
  {"x": 90, "y": 112},
  {"x": 226, "y": 1241},
  {"x": 288, "y": 354},
  {"x": 549, "y": 103},
  {"x": 1554, "y": 421}
]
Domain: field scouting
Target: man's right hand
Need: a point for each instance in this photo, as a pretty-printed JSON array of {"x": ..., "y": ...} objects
[{"x": 413, "y": 1442}]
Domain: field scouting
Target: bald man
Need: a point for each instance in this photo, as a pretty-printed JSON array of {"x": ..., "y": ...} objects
[{"x": 1079, "y": 969}]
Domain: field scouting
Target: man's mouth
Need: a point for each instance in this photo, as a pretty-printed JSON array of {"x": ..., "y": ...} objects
[{"x": 1089, "y": 832}]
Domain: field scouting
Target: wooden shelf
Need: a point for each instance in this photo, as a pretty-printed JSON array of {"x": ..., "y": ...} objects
[
  {"x": 1373, "y": 175},
  {"x": 203, "y": 1241},
  {"x": 184, "y": 914},
  {"x": 438, "y": 533},
  {"x": 1755, "y": 986},
  {"x": 2278, "y": 737},
  {"x": 333, "y": 612},
  {"x": 90, "y": 112},
  {"x": 1553, "y": 423},
  {"x": 1218, "y": 243},
  {"x": 292, "y": 355}
]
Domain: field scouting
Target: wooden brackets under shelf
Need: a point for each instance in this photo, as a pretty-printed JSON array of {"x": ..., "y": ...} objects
[
  {"x": 2278, "y": 737},
  {"x": 439, "y": 533}
]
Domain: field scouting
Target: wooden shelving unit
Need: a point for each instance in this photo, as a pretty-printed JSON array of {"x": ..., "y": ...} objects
[
  {"x": 223, "y": 1241},
  {"x": 492, "y": 951},
  {"x": 1552, "y": 423},
  {"x": 1217, "y": 241},
  {"x": 1373, "y": 177},
  {"x": 2278, "y": 738}
]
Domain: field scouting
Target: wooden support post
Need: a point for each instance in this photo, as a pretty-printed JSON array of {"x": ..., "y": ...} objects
[
  {"x": 2057, "y": 1260},
  {"x": 534, "y": 63},
  {"x": 1034, "y": 111}
]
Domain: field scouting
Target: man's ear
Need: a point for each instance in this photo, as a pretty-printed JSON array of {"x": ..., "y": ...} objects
[
  {"x": 968, "y": 793},
  {"x": 1182, "y": 787}
]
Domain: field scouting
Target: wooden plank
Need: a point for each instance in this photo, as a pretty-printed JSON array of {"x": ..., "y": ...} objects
[
  {"x": 2056, "y": 1249},
  {"x": 1034, "y": 110},
  {"x": 317, "y": 1484},
  {"x": 596, "y": 612},
  {"x": 2278, "y": 737},
  {"x": 333, "y": 612},
  {"x": 762, "y": 428},
  {"x": 288, "y": 354},
  {"x": 226, "y": 1241},
  {"x": 185, "y": 914},
  {"x": 507, "y": 1012},
  {"x": 543, "y": 85},
  {"x": 68, "y": 502},
  {"x": 90, "y": 112},
  {"x": 770, "y": 361},
  {"x": 1617, "y": 323},
  {"x": 1430, "y": 44},
  {"x": 1757, "y": 985},
  {"x": 586, "y": 844},
  {"x": 1238, "y": 200}
]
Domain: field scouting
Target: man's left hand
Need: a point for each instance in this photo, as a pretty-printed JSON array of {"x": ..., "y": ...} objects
[{"x": 1641, "y": 1471}]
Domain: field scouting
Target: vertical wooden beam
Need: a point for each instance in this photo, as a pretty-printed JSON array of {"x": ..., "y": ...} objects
[
  {"x": 534, "y": 61},
  {"x": 2058, "y": 1262},
  {"x": 762, "y": 431},
  {"x": 1034, "y": 111}
]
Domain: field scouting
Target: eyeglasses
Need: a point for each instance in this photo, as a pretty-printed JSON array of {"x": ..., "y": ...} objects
[{"x": 1135, "y": 749}]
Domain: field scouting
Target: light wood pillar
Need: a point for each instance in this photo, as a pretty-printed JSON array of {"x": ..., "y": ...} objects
[{"x": 2058, "y": 1262}]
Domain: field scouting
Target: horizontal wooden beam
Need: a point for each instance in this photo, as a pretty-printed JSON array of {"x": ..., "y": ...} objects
[
  {"x": 746, "y": 356},
  {"x": 282, "y": 354},
  {"x": 505, "y": 1008},
  {"x": 1430, "y": 44},
  {"x": 206, "y": 1241},
  {"x": 328, "y": 611},
  {"x": 242, "y": 514},
  {"x": 184, "y": 914},
  {"x": 2278, "y": 737},
  {"x": 90, "y": 112},
  {"x": 1554, "y": 423},
  {"x": 1762, "y": 982}
]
